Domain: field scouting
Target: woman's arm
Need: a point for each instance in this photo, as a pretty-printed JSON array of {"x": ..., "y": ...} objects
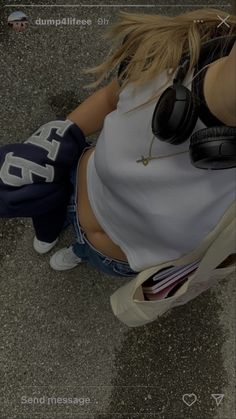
[
  {"x": 90, "y": 114},
  {"x": 220, "y": 88}
]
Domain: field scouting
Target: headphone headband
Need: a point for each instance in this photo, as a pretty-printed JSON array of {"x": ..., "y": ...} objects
[{"x": 221, "y": 46}]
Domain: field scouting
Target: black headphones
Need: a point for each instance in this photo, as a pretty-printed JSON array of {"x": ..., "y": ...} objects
[{"x": 176, "y": 114}]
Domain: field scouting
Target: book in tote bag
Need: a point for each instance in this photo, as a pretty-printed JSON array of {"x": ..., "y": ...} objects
[{"x": 128, "y": 302}]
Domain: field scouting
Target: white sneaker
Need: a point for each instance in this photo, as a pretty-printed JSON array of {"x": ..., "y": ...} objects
[
  {"x": 64, "y": 259},
  {"x": 43, "y": 247}
]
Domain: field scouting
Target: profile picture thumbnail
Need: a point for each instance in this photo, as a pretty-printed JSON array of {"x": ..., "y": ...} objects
[{"x": 18, "y": 21}]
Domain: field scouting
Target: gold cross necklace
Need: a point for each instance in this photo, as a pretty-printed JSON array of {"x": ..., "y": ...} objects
[{"x": 145, "y": 160}]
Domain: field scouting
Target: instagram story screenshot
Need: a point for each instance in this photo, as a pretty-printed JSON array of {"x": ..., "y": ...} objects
[{"x": 117, "y": 209}]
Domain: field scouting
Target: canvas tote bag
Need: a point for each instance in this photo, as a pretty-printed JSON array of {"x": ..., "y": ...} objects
[{"x": 128, "y": 303}]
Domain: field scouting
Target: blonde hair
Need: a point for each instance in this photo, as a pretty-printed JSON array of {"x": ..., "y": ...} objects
[{"x": 153, "y": 43}]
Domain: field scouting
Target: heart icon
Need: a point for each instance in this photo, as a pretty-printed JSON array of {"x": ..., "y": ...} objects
[{"x": 189, "y": 399}]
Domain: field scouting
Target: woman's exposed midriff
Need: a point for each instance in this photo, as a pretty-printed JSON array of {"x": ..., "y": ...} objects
[{"x": 93, "y": 231}]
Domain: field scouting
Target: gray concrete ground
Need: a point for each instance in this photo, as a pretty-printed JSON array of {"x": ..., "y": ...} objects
[{"x": 58, "y": 335}]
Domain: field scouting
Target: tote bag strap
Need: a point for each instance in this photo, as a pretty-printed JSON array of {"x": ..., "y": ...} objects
[{"x": 222, "y": 247}]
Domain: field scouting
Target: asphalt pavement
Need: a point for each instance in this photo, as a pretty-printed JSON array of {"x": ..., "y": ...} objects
[{"x": 63, "y": 353}]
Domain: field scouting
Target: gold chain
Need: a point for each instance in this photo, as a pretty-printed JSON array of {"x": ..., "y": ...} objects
[{"x": 145, "y": 160}]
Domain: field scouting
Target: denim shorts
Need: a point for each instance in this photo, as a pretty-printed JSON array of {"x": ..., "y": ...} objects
[{"x": 84, "y": 249}]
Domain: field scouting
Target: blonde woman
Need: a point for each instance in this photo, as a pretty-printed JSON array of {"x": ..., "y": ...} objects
[{"x": 129, "y": 216}]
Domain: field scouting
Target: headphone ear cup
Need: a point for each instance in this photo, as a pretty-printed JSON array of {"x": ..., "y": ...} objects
[
  {"x": 190, "y": 120},
  {"x": 175, "y": 115},
  {"x": 213, "y": 148},
  {"x": 162, "y": 114}
]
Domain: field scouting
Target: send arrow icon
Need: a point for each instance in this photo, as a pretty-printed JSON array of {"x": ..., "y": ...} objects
[{"x": 218, "y": 398}]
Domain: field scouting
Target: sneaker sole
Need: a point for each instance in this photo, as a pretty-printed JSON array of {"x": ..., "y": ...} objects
[{"x": 56, "y": 267}]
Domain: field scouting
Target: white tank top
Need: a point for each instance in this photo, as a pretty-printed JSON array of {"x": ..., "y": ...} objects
[{"x": 161, "y": 211}]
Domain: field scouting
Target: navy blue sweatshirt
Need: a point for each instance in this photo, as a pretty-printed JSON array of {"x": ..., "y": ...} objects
[{"x": 35, "y": 175}]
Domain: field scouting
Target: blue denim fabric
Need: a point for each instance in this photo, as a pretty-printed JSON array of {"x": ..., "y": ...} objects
[{"x": 85, "y": 250}]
